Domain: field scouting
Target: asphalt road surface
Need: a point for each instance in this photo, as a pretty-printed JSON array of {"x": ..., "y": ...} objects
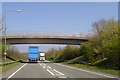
[{"x": 52, "y": 70}]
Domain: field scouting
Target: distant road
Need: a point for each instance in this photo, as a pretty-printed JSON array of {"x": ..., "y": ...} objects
[{"x": 52, "y": 70}]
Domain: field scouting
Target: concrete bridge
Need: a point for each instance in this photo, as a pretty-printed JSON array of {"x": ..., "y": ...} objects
[{"x": 70, "y": 40}]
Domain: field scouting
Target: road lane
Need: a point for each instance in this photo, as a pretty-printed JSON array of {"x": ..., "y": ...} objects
[
  {"x": 11, "y": 71},
  {"x": 51, "y": 70},
  {"x": 33, "y": 70},
  {"x": 17, "y": 71},
  {"x": 72, "y": 72}
]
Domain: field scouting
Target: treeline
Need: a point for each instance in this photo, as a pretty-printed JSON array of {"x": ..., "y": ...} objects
[
  {"x": 14, "y": 54},
  {"x": 65, "y": 54},
  {"x": 100, "y": 50}
]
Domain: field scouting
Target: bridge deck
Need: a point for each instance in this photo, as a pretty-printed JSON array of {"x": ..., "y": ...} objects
[{"x": 45, "y": 40}]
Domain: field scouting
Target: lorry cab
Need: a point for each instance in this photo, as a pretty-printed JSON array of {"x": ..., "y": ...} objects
[{"x": 41, "y": 56}]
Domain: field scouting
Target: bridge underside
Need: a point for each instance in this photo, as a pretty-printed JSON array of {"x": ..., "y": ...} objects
[{"x": 45, "y": 41}]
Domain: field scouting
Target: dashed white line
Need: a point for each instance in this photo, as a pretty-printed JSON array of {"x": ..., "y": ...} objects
[
  {"x": 50, "y": 72},
  {"x": 44, "y": 64},
  {"x": 40, "y": 64},
  {"x": 58, "y": 72},
  {"x": 16, "y": 71},
  {"x": 43, "y": 67},
  {"x": 48, "y": 66}
]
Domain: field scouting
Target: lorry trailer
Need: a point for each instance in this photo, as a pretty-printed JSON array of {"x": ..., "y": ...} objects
[{"x": 33, "y": 53}]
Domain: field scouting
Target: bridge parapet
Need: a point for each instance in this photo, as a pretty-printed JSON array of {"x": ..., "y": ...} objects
[
  {"x": 48, "y": 34},
  {"x": 71, "y": 40},
  {"x": 45, "y": 35},
  {"x": 63, "y": 37}
]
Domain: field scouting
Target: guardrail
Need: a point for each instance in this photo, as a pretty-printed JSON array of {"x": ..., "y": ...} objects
[{"x": 6, "y": 63}]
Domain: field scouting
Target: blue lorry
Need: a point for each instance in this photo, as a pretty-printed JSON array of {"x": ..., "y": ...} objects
[{"x": 33, "y": 53}]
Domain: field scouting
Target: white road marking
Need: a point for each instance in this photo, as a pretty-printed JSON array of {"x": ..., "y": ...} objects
[
  {"x": 16, "y": 71},
  {"x": 50, "y": 72},
  {"x": 63, "y": 77},
  {"x": 40, "y": 64},
  {"x": 48, "y": 66},
  {"x": 58, "y": 72},
  {"x": 86, "y": 71},
  {"x": 43, "y": 67},
  {"x": 44, "y": 64}
]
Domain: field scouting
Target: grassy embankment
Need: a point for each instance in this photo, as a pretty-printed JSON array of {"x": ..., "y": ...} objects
[
  {"x": 12, "y": 55},
  {"x": 94, "y": 68},
  {"x": 4, "y": 68},
  {"x": 90, "y": 67}
]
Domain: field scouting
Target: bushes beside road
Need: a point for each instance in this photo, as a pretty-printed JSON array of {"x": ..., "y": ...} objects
[{"x": 60, "y": 55}]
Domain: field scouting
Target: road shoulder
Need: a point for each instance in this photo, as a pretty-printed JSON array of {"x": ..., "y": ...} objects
[
  {"x": 12, "y": 70},
  {"x": 88, "y": 70}
]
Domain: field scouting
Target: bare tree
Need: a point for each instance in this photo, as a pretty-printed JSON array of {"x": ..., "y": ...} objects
[
  {"x": 98, "y": 26},
  {"x": 2, "y": 24}
]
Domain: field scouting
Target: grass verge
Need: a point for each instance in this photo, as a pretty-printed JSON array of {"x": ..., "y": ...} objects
[
  {"x": 9, "y": 66},
  {"x": 94, "y": 68},
  {"x": 0, "y": 69}
]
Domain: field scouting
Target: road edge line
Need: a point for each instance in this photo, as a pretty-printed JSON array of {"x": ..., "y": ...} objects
[
  {"x": 16, "y": 71},
  {"x": 86, "y": 70}
]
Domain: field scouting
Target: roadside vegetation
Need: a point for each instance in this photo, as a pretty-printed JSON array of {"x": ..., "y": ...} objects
[
  {"x": 100, "y": 52},
  {"x": 10, "y": 66},
  {"x": 12, "y": 55},
  {"x": 0, "y": 51}
]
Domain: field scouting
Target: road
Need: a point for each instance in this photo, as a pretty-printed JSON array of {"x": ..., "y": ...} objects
[{"x": 51, "y": 70}]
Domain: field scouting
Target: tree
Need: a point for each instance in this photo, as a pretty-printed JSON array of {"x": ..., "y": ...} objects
[{"x": 103, "y": 44}]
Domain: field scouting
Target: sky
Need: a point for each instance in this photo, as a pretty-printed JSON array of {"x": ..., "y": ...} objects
[
  {"x": 55, "y": 18},
  {"x": 60, "y": 0}
]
